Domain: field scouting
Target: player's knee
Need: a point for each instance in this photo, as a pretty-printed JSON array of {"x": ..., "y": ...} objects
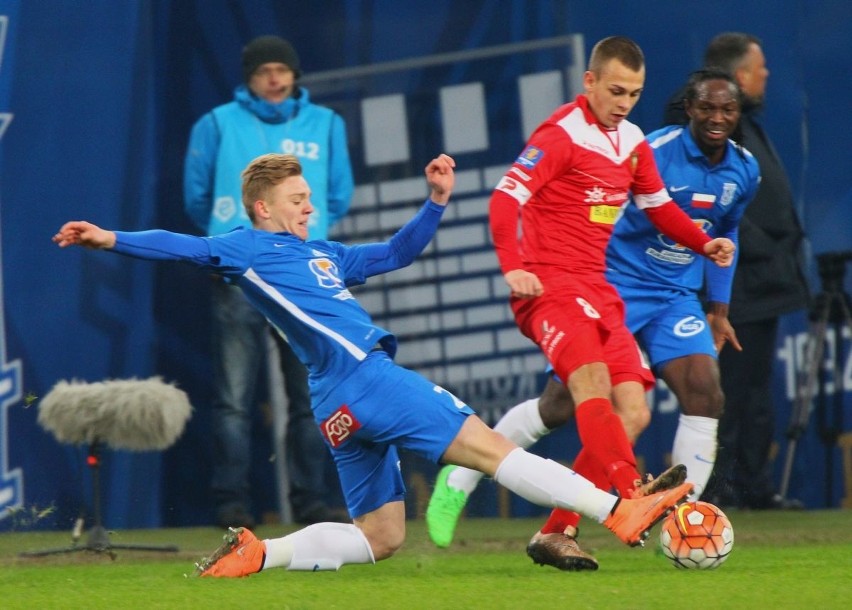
[
  {"x": 716, "y": 404},
  {"x": 383, "y": 529},
  {"x": 555, "y": 405},
  {"x": 704, "y": 401},
  {"x": 386, "y": 544},
  {"x": 635, "y": 421}
]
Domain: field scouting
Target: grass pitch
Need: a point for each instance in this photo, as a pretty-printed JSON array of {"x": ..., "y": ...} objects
[{"x": 780, "y": 560}]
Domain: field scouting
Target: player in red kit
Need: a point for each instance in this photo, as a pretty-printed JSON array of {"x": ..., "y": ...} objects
[{"x": 566, "y": 189}]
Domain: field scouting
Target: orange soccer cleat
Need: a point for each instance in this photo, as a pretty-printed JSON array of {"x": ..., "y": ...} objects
[
  {"x": 241, "y": 554},
  {"x": 631, "y": 519}
]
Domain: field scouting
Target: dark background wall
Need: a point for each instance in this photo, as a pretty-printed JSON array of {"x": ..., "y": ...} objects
[{"x": 96, "y": 103}]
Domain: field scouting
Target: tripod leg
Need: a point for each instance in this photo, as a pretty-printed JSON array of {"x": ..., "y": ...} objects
[
  {"x": 832, "y": 425},
  {"x": 98, "y": 542},
  {"x": 788, "y": 468},
  {"x": 146, "y": 547},
  {"x": 98, "y": 538},
  {"x": 802, "y": 407}
]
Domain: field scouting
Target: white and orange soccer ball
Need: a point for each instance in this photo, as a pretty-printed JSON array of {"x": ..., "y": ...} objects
[{"x": 697, "y": 535}]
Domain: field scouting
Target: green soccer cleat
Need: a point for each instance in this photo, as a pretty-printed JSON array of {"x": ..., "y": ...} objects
[{"x": 445, "y": 508}]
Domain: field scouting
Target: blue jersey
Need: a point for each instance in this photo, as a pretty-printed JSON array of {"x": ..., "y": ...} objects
[
  {"x": 301, "y": 287},
  {"x": 715, "y": 197}
]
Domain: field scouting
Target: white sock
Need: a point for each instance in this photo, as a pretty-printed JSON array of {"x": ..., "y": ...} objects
[
  {"x": 546, "y": 483},
  {"x": 521, "y": 424},
  {"x": 695, "y": 447},
  {"x": 322, "y": 546}
]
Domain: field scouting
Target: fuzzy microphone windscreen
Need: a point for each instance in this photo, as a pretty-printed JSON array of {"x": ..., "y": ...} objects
[{"x": 131, "y": 414}]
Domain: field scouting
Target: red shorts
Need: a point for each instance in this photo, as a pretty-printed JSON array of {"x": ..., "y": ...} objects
[{"x": 578, "y": 321}]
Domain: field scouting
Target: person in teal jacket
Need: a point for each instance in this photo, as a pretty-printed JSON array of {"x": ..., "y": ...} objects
[{"x": 270, "y": 112}]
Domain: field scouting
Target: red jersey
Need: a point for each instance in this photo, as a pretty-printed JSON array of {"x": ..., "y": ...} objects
[{"x": 569, "y": 184}]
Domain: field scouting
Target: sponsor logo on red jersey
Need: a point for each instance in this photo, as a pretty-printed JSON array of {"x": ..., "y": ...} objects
[
  {"x": 340, "y": 426},
  {"x": 514, "y": 189}
]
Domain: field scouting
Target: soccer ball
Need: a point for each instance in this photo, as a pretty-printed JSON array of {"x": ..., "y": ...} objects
[{"x": 697, "y": 535}]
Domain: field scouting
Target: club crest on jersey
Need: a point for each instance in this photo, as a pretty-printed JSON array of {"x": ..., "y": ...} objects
[
  {"x": 530, "y": 157},
  {"x": 729, "y": 190},
  {"x": 326, "y": 273},
  {"x": 339, "y": 426},
  {"x": 328, "y": 276}
]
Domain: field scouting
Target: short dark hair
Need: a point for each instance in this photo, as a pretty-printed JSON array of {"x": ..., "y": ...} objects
[
  {"x": 690, "y": 93},
  {"x": 711, "y": 73},
  {"x": 621, "y": 48},
  {"x": 727, "y": 50}
]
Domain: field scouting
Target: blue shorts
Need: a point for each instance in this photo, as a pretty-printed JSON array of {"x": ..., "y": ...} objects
[
  {"x": 378, "y": 408},
  {"x": 667, "y": 324}
]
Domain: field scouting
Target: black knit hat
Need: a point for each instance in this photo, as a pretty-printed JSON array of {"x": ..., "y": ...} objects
[{"x": 269, "y": 49}]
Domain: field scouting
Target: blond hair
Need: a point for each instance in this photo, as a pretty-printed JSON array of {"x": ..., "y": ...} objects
[{"x": 264, "y": 173}]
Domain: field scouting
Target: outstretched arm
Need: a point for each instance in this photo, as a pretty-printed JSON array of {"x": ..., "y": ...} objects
[
  {"x": 721, "y": 251},
  {"x": 441, "y": 178},
  {"x": 674, "y": 222},
  {"x": 155, "y": 245},
  {"x": 401, "y": 249},
  {"x": 86, "y": 234}
]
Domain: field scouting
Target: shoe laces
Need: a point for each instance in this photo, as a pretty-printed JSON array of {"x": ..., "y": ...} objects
[
  {"x": 456, "y": 497},
  {"x": 638, "y": 484}
]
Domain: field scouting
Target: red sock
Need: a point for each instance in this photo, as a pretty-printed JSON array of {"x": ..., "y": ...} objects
[
  {"x": 603, "y": 436},
  {"x": 560, "y": 518},
  {"x": 587, "y": 466},
  {"x": 623, "y": 477}
]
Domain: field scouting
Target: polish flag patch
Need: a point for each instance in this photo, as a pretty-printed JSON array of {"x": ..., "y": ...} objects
[{"x": 700, "y": 200}]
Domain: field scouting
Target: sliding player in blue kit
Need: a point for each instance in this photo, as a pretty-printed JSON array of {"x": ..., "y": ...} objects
[
  {"x": 365, "y": 404},
  {"x": 712, "y": 179}
]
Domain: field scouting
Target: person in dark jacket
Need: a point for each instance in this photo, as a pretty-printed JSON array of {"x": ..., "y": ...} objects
[{"x": 769, "y": 282}]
